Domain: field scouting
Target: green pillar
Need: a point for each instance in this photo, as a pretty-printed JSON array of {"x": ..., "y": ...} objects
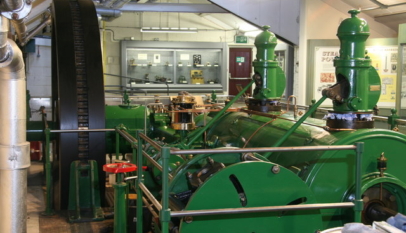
[{"x": 120, "y": 213}]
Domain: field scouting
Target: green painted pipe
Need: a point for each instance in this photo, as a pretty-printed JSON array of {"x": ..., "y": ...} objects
[
  {"x": 48, "y": 208},
  {"x": 117, "y": 145},
  {"x": 140, "y": 213},
  {"x": 359, "y": 204},
  {"x": 195, "y": 136},
  {"x": 120, "y": 217},
  {"x": 296, "y": 125},
  {"x": 165, "y": 214}
]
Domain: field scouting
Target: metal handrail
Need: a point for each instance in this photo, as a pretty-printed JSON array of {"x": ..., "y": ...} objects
[
  {"x": 187, "y": 213},
  {"x": 151, "y": 197},
  {"x": 176, "y": 151},
  {"x": 165, "y": 213},
  {"x": 150, "y": 141}
]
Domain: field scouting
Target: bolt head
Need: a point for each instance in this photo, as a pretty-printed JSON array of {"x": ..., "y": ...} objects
[
  {"x": 275, "y": 169},
  {"x": 188, "y": 219},
  {"x": 392, "y": 198}
]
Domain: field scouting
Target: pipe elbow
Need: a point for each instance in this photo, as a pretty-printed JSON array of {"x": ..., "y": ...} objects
[{"x": 13, "y": 63}]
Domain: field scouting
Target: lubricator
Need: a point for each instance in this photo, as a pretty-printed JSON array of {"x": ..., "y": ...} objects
[
  {"x": 358, "y": 85},
  {"x": 269, "y": 78}
]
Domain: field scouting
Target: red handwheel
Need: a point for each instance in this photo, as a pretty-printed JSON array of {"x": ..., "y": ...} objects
[{"x": 119, "y": 167}]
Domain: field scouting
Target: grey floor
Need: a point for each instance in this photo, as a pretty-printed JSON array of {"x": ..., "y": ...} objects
[
  {"x": 35, "y": 197},
  {"x": 38, "y": 223}
]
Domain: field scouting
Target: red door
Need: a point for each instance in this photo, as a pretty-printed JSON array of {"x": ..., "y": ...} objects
[{"x": 240, "y": 69}]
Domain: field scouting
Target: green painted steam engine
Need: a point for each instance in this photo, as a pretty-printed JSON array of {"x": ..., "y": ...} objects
[{"x": 223, "y": 174}]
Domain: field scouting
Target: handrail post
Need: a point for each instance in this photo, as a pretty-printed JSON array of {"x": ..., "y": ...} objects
[
  {"x": 358, "y": 202},
  {"x": 117, "y": 143},
  {"x": 48, "y": 208},
  {"x": 139, "y": 180},
  {"x": 165, "y": 213}
]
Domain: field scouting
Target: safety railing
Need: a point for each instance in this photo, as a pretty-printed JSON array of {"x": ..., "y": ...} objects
[
  {"x": 165, "y": 212},
  {"x": 162, "y": 207}
]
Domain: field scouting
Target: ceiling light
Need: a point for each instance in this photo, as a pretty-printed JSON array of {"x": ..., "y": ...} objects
[{"x": 168, "y": 30}]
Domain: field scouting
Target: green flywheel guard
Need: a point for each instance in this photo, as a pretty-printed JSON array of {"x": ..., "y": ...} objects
[
  {"x": 84, "y": 194},
  {"x": 261, "y": 184}
]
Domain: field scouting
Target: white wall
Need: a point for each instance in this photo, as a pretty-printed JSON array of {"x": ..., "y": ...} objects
[
  {"x": 319, "y": 20},
  {"x": 38, "y": 67}
]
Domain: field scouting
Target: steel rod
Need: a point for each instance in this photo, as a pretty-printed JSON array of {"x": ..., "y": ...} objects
[
  {"x": 79, "y": 130},
  {"x": 155, "y": 163},
  {"x": 126, "y": 136},
  {"x": 148, "y": 205},
  {"x": 150, "y": 141},
  {"x": 186, "y": 213},
  {"x": 175, "y": 151},
  {"x": 150, "y": 197},
  {"x": 296, "y": 125}
]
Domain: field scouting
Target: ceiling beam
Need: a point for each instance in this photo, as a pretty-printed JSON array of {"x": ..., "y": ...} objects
[{"x": 172, "y": 7}]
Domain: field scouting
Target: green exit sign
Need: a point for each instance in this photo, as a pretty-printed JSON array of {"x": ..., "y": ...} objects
[
  {"x": 241, "y": 39},
  {"x": 240, "y": 59}
]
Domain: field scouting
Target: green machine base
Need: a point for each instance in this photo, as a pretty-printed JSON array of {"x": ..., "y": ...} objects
[{"x": 84, "y": 194}]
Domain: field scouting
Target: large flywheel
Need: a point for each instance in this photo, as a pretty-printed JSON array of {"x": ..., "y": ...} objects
[{"x": 77, "y": 91}]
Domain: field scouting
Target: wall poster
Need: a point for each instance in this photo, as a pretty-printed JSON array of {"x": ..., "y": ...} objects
[{"x": 383, "y": 59}]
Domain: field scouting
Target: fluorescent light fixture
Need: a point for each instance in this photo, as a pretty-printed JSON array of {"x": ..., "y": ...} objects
[
  {"x": 252, "y": 33},
  {"x": 168, "y": 30}
]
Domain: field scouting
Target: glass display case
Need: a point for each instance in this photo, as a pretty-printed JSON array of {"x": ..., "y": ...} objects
[{"x": 152, "y": 66}]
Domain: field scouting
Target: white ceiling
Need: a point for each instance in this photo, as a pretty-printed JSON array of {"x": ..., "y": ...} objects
[{"x": 388, "y": 12}]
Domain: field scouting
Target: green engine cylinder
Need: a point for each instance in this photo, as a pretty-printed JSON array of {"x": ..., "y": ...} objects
[{"x": 132, "y": 116}]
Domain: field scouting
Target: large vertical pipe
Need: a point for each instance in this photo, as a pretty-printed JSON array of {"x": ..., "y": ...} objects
[
  {"x": 14, "y": 149},
  {"x": 3, "y": 38},
  {"x": 11, "y": 5}
]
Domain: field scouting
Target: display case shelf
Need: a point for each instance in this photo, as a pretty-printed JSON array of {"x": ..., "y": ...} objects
[{"x": 158, "y": 66}]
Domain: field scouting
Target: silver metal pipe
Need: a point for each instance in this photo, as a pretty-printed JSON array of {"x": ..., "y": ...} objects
[
  {"x": 80, "y": 130},
  {"x": 36, "y": 30},
  {"x": 11, "y": 5},
  {"x": 186, "y": 213},
  {"x": 20, "y": 27},
  {"x": 120, "y": 3},
  {"x": 108, "y": 12},
  {"x": 109, "y": 3},
  {"x": 3, "y": 38},
  {"x": 176, "y": 151},
  {"x": 150, "y": 197},
  {"x": 14, "y": 149},
  {"x": 150, "y": 141}
]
